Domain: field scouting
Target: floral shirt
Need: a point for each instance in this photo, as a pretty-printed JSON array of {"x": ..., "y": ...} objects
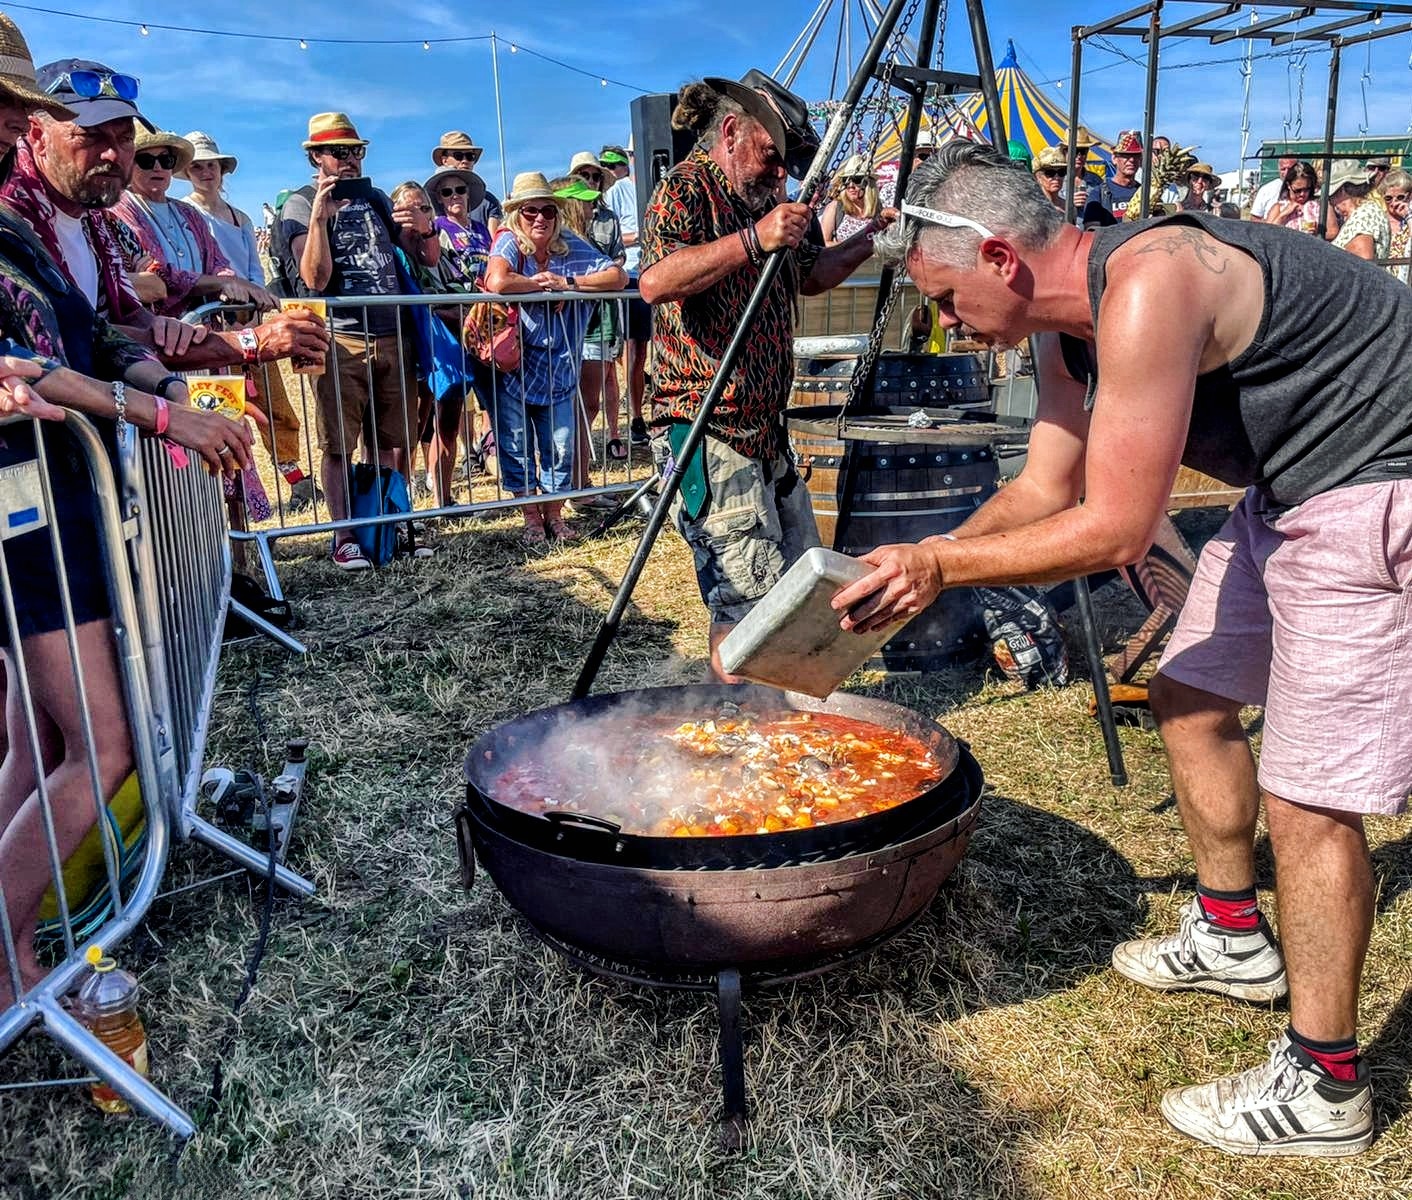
[
  {"x": 1371, "y": 218},
  {"x": 1399, "y": 246},
  {"x": 692, "y": 206}
]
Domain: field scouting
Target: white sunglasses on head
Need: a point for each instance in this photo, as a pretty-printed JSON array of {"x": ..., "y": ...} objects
[{"x": 937, "y": 217}]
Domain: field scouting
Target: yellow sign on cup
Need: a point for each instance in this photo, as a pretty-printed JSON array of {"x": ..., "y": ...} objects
[
  {"x": 302, "y": 364},
  {"x": 223, "y": 394}
]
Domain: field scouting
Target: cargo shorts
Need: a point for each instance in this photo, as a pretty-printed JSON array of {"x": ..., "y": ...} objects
[{"x": 755, "y": 526}]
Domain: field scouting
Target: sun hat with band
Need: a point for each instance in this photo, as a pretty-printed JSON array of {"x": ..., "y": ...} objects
[
  {"x": 529, "y": 185},
  {"x": 455, "y": 139},
  {"x": 784, "y": 116},
  {"x": 18, "y": 78},
  {"x": 204, "y": 149},
  {"x": 148, "y": 140},
  {"x": 1349, "y": 172},
  {"x": 475, "y": 186},
  {"x": 1204, "y": 169},
  {"x": 110, "y": 94},
  {"x": 332, "y": 129}
]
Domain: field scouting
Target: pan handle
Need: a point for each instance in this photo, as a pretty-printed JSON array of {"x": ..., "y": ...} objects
[
  {"x": 562, "y": 816},
  {"x": 465, "y": 848}
]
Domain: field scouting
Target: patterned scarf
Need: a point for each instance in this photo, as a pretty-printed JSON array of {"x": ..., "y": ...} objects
[{"x": 27, "y": 194}]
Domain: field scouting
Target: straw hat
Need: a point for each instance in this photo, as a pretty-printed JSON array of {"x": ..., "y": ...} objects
[
  {"x": 855, "y": 166},
  {"x": 584, "y": 158},
  {"x": 1084, "y": 141},
  {"x": 1348, "y": 172},
  {"x": 1052, "y": 158},
  {"x": 454, "y": 139},
  {"x": 205, "y": 149},
  {"x": 529, "y": 185},
  {"x": 17, "y": 75},
  {"x": 162, "y": 139},
  {"x": 474, "y": 183},
  {"x": 332, "y": 129},
  {"x": 1204, "y": 169}
]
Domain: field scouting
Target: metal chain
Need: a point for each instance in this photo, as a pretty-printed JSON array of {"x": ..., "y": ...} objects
[{"x": 863, "y": 369}]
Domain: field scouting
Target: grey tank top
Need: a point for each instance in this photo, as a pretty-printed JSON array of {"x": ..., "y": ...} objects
[{"x": 1322, "y": 396}]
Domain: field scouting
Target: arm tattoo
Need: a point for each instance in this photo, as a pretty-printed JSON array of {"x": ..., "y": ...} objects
[{"x": 1209, "y": 255}]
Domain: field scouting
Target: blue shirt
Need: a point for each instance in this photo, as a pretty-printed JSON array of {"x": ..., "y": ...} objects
[{"x": 551, "y": 332}]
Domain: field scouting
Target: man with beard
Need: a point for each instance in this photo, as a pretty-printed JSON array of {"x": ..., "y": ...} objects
[
  {"x": 1302, "y": 604},
  {"x": 66, "y": 176},
  {"x": 705, "y": 235}
]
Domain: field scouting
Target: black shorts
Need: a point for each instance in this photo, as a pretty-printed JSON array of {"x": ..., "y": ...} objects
[
  {"x": 639, "y": 320},
  {"x": 29, "y": 558}
]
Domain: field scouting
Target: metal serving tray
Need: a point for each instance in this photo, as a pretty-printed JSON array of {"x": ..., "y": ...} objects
[{"x": 792, "y": 639}]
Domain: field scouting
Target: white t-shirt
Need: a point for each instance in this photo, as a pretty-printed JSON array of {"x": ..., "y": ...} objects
[
  {"x": 1265, "y": 198},
  {"x": 622, "y": 199},
  {"x": 78, "y": 254}
]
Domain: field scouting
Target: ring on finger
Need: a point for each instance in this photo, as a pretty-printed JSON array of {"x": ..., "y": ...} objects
[{"x": 224, "y": 450}]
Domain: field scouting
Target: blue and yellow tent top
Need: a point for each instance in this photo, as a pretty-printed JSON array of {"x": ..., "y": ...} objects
[{"x": 1031, "y": 117}]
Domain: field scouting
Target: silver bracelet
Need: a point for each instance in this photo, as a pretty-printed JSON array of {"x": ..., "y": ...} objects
[{"x": 120, "y": 403}]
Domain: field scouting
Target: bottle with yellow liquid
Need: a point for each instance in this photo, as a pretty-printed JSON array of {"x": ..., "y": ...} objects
[{"x": 107, "y": 1004}]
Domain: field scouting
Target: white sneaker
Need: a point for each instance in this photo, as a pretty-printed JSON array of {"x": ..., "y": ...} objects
[
  {"x": 1285, "y": 1106},
  {"x": 1202, "y": 957}
]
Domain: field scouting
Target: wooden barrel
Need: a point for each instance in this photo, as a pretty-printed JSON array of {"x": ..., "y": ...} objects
[
  {"x": 876, "y": 485},
  {"x": 823, "y": 368},
  {"x": 931, "y": 381}
]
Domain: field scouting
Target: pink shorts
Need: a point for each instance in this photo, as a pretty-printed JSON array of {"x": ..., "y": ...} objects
[{"x": 1309, "y": 613}]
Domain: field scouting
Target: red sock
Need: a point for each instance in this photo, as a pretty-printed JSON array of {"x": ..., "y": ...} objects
[
  {"x": 1338, "y": 1059},
  {"x": 293, "y": 476},
  {"x": 1230, "y": 910}
]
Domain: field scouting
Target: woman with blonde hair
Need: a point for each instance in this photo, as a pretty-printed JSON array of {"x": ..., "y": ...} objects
[
  {"x": 535, "y": 411},
  {"x": 855, "y": 203},
  {"x": 1364, "y": 229},
  {"x": 1396, "y": 190}
]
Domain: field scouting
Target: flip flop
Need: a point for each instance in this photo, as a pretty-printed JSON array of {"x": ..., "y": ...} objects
[
  {"x": 616, "y": 450},
  {"x": 561, "y": 530},
  {"x": 533, "y": 536}
]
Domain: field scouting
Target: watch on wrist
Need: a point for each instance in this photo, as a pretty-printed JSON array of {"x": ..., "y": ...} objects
[
  {"x": 572, "y": 282},
  {"x": 249, "y": 346},
  {"x": 165, "y": 384}
]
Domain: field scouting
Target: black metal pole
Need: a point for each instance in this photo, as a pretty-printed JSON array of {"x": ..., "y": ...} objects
[
  {"x": 735, "y": 1107},
  {"x": 1075, "y": 76},
  {"x": 1329, "y": 117},
  {"x": 1154, "y": 37},
  {"x": 985, "y": 67},
  {"x": 906, "y": 152},
  {"x": 1116, "y": 767},
  {"x": 608, "y": 629}
]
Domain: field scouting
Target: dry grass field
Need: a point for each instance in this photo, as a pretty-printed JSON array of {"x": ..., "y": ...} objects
[{"x": 406, "y": 1039}]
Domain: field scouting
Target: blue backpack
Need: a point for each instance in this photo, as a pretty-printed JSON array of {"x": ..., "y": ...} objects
[{"x": 373, "y": 492}]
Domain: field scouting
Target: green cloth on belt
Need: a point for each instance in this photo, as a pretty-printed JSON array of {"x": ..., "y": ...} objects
[{"x": 695, "y": 490}]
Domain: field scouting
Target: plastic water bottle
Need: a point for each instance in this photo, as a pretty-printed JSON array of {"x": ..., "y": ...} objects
[{"x": 107, "y": 1005}]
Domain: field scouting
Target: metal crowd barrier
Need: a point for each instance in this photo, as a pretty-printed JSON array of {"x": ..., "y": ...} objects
[
  {"x": 479, "y": 388},
  {"x": 27, "y": 503}
]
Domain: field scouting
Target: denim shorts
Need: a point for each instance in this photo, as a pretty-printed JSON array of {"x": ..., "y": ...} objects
[{"x": 755, "y": 526}]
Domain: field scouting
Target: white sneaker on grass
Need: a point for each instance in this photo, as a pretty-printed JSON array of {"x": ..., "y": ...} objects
[
  {"x": 1286, "y": 1106},
  {"x": 1203, "y": 957}
]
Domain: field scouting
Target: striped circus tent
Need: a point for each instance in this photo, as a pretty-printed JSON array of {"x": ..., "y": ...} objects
[
  {"x": 1031, "y": 116},
  {"x": 949, "y": 121}
]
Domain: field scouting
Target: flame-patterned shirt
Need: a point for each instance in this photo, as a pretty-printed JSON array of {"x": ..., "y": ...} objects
[{"x": 692, "y": 206}]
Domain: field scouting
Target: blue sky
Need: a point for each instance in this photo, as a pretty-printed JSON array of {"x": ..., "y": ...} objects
[{"x": 255, "y": 97}]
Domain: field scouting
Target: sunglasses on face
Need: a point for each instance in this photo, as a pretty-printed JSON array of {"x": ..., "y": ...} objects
[
  {"x": 1399, "y": 197},
  {"x": 470, "y": 156},
  {"x": 1053, "y": 172},
  {"x": 549, "y": 212},
  {"x": 589, "y": 174},
  {"x": 1304, "y": 191},
  {"x": 164, "y": 159},
  {"x": 344, "y": 153},
  {"x": 93, "y": 84},
  {"x": 922, "y": 155},
  {"x": 856, "y": 181},
  {"x": 459, "y": 190}
]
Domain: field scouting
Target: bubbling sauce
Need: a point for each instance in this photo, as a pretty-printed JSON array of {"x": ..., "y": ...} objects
[{"x": 738, "y": 772}]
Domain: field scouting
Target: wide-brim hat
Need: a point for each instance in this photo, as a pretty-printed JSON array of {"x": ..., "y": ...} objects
[
  {"x": 474, "y": 183},
  {"x": 455, "y": 139},
  {"x": 1051, "y": 158},
  {"x": 1204, "y": 169},
  {"x": 529, "y": 185},
  {"x": 204, "y": 149},
  {"x": 161, "y": 139},
  {"x": 855, "y": 166},
  {"x": 1129, "y": 142},
  {"x": 784, "y": 116},
  {"x": 585, "y": 158},
  {"x": 17, "y": 74},
  {"x": 1083, "y": 141},
  {"x": 85, "y": 111},
  {"x": 332, "y": 129},
  {"x": 1348, "y": 172}
]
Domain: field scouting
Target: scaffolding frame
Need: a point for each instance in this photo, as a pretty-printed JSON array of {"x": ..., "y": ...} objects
[{"x": 1343, "y": 15}]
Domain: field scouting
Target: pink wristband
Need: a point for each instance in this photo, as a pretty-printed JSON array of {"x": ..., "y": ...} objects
[{"x": 164, "y": 416}]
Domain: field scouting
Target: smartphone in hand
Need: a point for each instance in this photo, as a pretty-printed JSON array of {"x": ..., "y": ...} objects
[{"x": 358, "y": 188}]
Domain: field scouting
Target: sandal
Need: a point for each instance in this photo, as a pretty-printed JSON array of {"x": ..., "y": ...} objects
[
  {"x": 616, "y": 450},
  {"x": 561, "y": 530}
]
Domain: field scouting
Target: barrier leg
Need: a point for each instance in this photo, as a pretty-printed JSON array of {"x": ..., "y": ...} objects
[
  {"x": 273, "y": 632},
  {"x": 257, "y": 862}
]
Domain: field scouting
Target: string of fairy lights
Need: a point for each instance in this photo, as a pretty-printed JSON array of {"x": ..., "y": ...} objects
[{"x": 146, "y": 28}]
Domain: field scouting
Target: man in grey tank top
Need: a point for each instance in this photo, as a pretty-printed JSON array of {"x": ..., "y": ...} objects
[{"x": 1269, "y": 360}]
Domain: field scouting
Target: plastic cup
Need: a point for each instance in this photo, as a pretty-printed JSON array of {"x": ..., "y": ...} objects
[
  {"x": 223, "y": 394},
  {"x": 302, "y": 364}
]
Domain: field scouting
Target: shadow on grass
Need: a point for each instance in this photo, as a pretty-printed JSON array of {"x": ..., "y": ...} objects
[{"x": 1390, "y": 1060}]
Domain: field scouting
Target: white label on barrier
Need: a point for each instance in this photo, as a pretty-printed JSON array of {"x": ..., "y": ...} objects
[{"x": 21, "y": 500}]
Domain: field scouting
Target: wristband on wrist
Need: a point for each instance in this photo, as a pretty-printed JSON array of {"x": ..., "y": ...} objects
[
  {"x": 163, "y": 416},
  {"x": 249, "y": 346}
]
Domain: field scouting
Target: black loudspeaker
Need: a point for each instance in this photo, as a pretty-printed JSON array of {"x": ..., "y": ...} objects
[{"x": 656, "y": 145}]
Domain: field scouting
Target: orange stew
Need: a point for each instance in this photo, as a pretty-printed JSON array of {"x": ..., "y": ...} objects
[{"x": 738, "y": 772}]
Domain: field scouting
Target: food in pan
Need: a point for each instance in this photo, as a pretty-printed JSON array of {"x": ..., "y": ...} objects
[{"x": 734, "y": 772}]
